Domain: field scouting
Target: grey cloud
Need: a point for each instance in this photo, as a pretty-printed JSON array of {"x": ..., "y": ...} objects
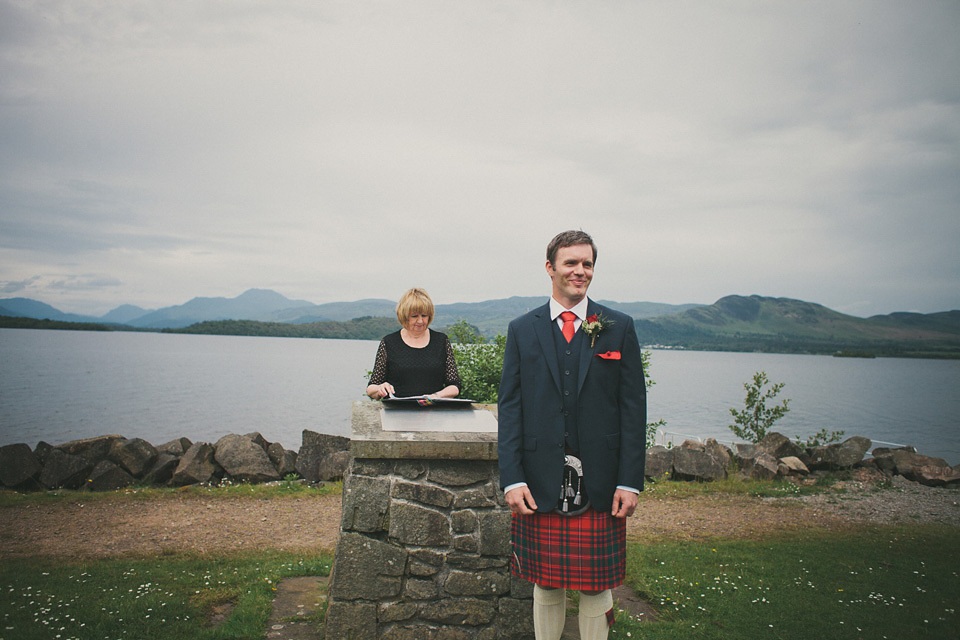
[
  {"x": 203, "y": 148},
  {"x": 19, "y": 285},
  {"x": 84, "y": 283}
]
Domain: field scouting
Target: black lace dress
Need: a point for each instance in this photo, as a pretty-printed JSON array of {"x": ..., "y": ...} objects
[{"x": 415, "y": 371}]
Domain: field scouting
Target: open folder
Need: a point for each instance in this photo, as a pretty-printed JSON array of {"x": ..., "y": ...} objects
[{"x": 426, "y": 401}]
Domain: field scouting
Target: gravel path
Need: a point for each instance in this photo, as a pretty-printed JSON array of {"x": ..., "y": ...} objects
[{"x": 79, "y": 528}]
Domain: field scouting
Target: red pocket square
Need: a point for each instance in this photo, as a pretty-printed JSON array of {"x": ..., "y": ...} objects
[{"x": 609, "y": 355}]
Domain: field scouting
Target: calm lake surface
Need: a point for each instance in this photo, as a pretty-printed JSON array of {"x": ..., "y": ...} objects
[{"x": 57, "y": 386}]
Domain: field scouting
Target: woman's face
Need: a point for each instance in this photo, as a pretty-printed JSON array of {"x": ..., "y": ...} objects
[{"x": 417, "y": 322}]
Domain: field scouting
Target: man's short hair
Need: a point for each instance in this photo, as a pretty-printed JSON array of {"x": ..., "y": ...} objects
[
  {"x": 569, "y": 239},
  {"x": 414, "y": 302}
]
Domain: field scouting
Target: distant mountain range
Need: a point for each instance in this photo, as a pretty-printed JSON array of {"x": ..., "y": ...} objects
[
  {"x": 735, "y": 323},
  {"x": 265, "y": 305}
]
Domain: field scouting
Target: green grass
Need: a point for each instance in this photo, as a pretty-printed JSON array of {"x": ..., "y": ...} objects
[
  {"x": 876, "y": 582},
  {"x": 284, "y": 488},
  {"x": 882, "y": 582},
  {"x": 171, "y": 597},
  {"x": 733, "y": 484}
]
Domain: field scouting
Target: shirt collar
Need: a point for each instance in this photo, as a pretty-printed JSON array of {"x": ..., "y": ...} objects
[{"x": 580, "y": 309}]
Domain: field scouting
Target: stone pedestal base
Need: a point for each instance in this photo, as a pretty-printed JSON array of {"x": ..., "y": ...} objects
[{"x": 424, "y": 546}]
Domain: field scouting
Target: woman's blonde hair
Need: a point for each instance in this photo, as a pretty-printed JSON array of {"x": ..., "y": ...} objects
[{"x": 415, "y": 301}]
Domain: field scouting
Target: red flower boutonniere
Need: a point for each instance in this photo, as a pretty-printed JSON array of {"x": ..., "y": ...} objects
[{"x": 593, "y": 325}]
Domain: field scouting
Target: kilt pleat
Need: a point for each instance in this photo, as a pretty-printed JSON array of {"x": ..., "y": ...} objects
[{"x": 586, "y": 552}]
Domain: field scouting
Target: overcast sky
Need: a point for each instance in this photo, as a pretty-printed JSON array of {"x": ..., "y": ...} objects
[{"x": 151, "y": 152}]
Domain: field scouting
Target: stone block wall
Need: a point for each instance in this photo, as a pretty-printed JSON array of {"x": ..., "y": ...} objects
[{"x": 424, "y": 554}]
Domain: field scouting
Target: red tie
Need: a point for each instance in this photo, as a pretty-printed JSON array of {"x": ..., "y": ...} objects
[{"x": 567, "y": 329}]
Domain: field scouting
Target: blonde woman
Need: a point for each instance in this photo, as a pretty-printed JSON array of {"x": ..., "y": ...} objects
[{"x": 416, "y": 360}]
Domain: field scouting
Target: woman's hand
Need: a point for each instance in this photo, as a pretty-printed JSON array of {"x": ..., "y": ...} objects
[{"x": 377, "y": 391}]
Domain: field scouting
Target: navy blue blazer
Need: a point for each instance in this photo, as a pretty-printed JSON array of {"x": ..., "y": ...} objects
[{"x": 611, "y": 409}]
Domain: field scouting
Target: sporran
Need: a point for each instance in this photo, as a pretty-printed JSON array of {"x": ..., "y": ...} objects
[{"x": 572, "y": 499}]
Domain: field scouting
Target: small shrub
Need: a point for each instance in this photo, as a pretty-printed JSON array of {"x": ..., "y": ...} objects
[
  {"x": 753, "y": 421},
  {"x": 479, "y": 362},
  {"x": 820, "y": 438}
]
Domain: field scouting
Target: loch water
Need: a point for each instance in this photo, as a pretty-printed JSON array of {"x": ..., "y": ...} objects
[{"x": 57, "y": 386}]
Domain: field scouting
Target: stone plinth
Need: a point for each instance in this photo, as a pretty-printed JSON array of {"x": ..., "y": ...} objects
[{"x": 424, "y": 544}]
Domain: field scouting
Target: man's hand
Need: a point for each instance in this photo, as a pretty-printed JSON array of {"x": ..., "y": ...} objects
[
  {"x": 520, "y": 501},
  {"x": 624, "y": 503}
]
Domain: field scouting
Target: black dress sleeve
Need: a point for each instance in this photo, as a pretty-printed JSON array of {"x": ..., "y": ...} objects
[
  {"x": 451, "y": 375},
  {"x": 379, "y": 375}
]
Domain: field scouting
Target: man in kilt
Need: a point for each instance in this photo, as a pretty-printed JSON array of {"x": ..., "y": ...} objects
[{"x": 572, "y": 442}]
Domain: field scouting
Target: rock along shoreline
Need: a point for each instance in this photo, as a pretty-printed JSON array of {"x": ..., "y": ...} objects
[{"x": 111, "y": 462}]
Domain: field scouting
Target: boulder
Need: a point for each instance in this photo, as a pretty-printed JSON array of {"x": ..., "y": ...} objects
[
  {"x": 793, "y": 465},
  {"x": 284, "y": 460},
  {"x": 197, "y": 466},
  {"x": 882, "y": 451},
  {"x": 42, "y": 450},
  {"x": 162, "y": 470},
  {"x": 134, "y": 456},
  {"x": 316, "y": 447},
  {"x": 936, "y": 476},
  {"x": 244, "y": 459},
  {"x": 763, "y": 466},
  {"x": 691, "y": 461},
  {"x": 719, "y": 452},
  {"x": 902, "y": 462},
  {"x": 744, "y": 450},
  {"x": 108, "y": 476},
  {"x": 93, "y": 449},
  {"x": 176, "y": 447},
  {"x": 333, "y": 466},
  {"x": 780, "y": 446},
  {"x": 833, "y": 457},
  {"x": 19, "y": 467},
  {"x": 66, "y": 471},
  {"x": 258, "y": 439},
  {"x": 659, "y": 463},
  {"x": 275, "y": 453}
]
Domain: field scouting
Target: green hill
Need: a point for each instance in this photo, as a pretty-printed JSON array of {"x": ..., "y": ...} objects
[{"x": 784, "y": 325}]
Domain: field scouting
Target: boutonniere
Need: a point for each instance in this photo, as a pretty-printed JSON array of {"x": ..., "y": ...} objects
[{"x": 593, "y": 325}]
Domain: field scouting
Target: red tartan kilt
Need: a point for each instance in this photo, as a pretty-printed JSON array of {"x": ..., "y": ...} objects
[{"x": 587, "y": 552}]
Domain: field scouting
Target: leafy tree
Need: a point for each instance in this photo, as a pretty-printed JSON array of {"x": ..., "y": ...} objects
[
  {"x": 479, "y": 362},
  {"x": 753, "y": 421},
  {"x": 462, "y": 332}
]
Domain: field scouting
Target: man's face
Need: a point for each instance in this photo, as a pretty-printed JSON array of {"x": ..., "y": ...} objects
[{"x": 571, "y": 274}]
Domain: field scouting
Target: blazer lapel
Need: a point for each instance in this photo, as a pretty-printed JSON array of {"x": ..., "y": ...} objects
[
  {"x": 586, "y": 351},
  {"x": 544, "y": 330}
]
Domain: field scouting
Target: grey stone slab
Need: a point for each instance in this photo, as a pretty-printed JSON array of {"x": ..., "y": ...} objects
[{"x": 370, "y": 440}]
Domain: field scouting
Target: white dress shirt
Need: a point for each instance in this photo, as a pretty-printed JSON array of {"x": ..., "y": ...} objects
[{"x": 580, "y": 310}]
